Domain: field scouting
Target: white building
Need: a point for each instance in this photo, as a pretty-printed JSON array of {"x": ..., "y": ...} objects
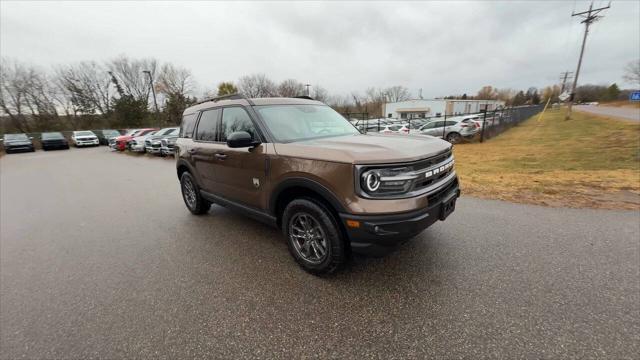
[{"x": 423, "y": 108}]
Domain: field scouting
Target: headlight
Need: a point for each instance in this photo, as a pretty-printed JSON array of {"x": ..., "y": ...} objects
[
  {"x": 391, "y": 181},
  {"x": 371, "y": 180}
]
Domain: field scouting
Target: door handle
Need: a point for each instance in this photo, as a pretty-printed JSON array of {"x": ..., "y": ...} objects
[{"x": 220, "y": 156}]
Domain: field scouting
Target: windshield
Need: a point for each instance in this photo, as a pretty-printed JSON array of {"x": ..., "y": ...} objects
[
  {"x": 303, "y": 122},
  {"x": 52, "y": 135},
  {"x": 16, "y": 137},
  {"x": 110, "y": 133},
  {"x": 84, "y": 133}
]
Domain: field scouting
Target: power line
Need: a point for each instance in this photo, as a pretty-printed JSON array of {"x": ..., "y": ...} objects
[{"x": 589, "y": 17}]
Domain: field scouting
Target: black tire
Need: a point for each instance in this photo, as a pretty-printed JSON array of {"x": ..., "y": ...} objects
[
  {"x": 334, "y": 244},
  {"x": 45, "y": 148},
  {"x": 191, "y": 195},
  {"x": 454, "y": 137}
]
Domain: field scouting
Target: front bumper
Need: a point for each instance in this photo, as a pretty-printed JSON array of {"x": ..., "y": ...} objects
[
  {"x": 165, "y": 150},
  {"x": 136, "y": 147},
  {"x": 95, "y": 142},
  {"x": 380, "y": 234},
  {"x": 18, "y": 148},
  {"x": 153, "y": 150}
]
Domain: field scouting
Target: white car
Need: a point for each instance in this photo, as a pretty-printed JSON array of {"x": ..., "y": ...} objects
[
  {"x": 395, "y": 129},
  {"x": 453, "y": 130},
  {"x": 137, "y": 143},
  {"x": 84, "y": 138}
]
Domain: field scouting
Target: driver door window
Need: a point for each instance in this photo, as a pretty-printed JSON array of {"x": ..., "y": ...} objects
[{"x": 236, "y": 119}]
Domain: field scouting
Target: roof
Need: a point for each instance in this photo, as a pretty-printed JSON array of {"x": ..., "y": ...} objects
[{"x": 249, "y": 102}]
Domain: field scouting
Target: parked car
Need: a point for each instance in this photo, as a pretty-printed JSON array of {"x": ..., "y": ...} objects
[
  {"x": 152, "y": 143},
  {"x": 331, "y": 192},
  {"x": 395, "y": 129},
  {"x": 17, "y": 143},
  {"x": 121, "y": 142},
  {"x": 167, "y": 145},
  {"x": 84, "y": 138},
  {"x": 53, "y": 140},
  {"x": 136, "y": 144},
  {"x": 106, "y": 135},
  {"x": 453, "y": 130}
]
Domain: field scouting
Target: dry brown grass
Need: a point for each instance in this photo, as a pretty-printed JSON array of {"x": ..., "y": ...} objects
[{"x": 589, "y": 161}]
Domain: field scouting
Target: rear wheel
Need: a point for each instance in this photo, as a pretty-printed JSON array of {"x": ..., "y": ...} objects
[
  {"x": 191, "y": 195},
  {"x": 313, "y": 236}
]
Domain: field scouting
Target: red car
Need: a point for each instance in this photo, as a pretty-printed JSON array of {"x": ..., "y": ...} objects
[{"x": 120, "y": 143}]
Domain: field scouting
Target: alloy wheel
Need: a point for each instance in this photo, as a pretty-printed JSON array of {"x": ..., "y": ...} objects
[{"x": 308, "y": 238}]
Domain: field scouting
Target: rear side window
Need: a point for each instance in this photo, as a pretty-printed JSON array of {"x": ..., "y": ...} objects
[
  {"x": 235, "y": 119},
  {"x": 451, "y": 123},
  {"x": 208, "y": 125},
  {"x": 188, "y": 124}
]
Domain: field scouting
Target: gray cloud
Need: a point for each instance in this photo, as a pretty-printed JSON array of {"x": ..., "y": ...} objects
[{"x": 441, "y": 47}]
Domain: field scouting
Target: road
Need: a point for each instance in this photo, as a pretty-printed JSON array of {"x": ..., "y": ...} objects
[
  {"x": 619, "y": 112},
  {"x": 100, "y": 259}
]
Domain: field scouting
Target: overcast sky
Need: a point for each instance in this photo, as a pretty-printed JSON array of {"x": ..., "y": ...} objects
[{"x": 442, "y": 47}]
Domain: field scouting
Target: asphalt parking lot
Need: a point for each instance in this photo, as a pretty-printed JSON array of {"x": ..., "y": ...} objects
[{"x": 100, "y": 259}]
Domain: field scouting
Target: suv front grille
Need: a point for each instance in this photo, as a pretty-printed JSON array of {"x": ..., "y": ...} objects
[
  {"x": 440, "y": 193},
  {"x": 423, "y": 164}
]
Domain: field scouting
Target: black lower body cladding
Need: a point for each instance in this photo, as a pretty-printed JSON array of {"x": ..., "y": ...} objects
[{"x": 380, "y": 234}]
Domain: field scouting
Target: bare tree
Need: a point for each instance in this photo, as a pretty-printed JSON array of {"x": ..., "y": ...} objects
[
  {"x": 487, "y": 93},
  {"x": 319, "y": 93},
  {"x": 397, "y": 93},
  {"x": 129, "y": 73},
  {"x": 632, "y": 72},
  {"x": 506, "y": 95},
  {"x": 256, "y": 86},
  {"x": 26, "y": 96},
  {"x": 291, "y": 88},
  {"x": 174, "y": 80},
  {"x": 85, "y": 88}
]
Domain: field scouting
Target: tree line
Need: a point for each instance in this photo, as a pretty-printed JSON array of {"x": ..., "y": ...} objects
[{"x": 119, "y": 93}]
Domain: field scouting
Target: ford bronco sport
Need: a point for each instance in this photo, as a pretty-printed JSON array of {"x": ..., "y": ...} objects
[{"x": 299, "y": 165}]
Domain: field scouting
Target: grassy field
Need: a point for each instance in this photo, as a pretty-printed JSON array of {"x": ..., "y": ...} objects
[{"x": 589, "y": 161}]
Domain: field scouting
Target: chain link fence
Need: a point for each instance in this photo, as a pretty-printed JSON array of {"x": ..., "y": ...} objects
[{"x": 453, "y": 128}]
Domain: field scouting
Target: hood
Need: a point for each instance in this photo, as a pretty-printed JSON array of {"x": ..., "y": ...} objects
[{"x": 366, "y": 149}]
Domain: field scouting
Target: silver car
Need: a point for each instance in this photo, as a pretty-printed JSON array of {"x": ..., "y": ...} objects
[{"x": 453, "y": 130}]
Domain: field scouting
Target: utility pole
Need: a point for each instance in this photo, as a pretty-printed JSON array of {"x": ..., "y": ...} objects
[
  {"x": 589, "y": 16},
  {"x": 564, "y": 76},
  {"x": 155, "y": 102}
]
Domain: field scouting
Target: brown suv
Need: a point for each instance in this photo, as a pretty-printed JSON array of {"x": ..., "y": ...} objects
[{"x": 297, "y": 164}]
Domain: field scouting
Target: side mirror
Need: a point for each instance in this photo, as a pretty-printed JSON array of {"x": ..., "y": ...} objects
[
  {"x": 241, "y": 139},
  {"x": 30, "y": 137}
]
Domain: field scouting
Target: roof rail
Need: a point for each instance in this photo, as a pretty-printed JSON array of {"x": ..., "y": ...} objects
[
  {"x": 303, "y": 97},
  {"x": 226, "y": 97}
]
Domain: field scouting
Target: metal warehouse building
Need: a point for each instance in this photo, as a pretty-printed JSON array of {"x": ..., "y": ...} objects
[{"x": 421, "y": 108}]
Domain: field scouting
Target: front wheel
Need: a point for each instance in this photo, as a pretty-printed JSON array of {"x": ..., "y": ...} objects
[
  {"x": 191, "y": 195},
  {"x": 313, "y": 236},
  {"x": 454, "y": 138}
]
